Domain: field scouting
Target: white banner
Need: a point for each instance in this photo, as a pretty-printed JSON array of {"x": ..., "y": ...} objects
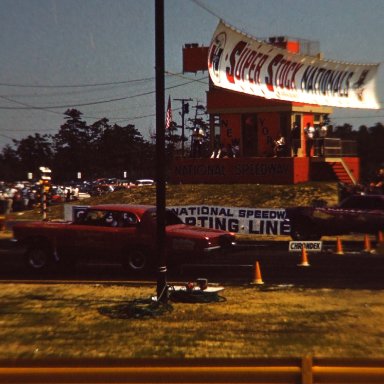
[
  {"x": 256, "y": 221},
  {"x": 241, "y": 63},
  {"x": 238, "y": 220}
]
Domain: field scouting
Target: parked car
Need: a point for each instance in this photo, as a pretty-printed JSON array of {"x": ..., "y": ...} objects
[
  {"x": 101, "y": 189},
  {"x": 355, "y": 214},
  {"x": 117, "y": 233},
  {"x": 144, "y": 182}
]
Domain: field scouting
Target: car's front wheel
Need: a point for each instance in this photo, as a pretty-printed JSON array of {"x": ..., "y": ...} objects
[{"x": 136, "y": 260}]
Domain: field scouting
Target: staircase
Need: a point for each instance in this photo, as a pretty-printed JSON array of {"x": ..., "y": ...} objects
[{"x": 341, "y": 170}]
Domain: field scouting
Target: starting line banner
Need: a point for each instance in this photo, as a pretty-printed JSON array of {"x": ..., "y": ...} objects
[
  {"x": 238, "y": 220},
  {"x": 241, "y": 63},
  {"x": 252, "y": 221}
]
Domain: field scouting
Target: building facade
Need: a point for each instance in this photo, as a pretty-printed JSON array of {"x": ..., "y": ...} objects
[{"x": 245, "y": 129}]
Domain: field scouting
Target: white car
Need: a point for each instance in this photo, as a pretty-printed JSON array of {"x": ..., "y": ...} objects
[{"x": 142, "y": 182}]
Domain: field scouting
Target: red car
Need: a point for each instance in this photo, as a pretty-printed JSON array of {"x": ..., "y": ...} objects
[
  {"x": 355, "y": 214},
  {"x": 116, "y": 233}
]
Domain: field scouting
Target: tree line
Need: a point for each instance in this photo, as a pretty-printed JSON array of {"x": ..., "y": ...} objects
[
  {"x": 105, "y": 150},
  {"x": 96, "y": 150},
  {"x": 370, "y": 144}
]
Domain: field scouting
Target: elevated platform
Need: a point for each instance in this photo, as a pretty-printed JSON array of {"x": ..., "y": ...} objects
[{"x": 264, "y": 170}]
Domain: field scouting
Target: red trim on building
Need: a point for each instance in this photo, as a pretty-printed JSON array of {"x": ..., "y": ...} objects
[{"x": 287, "y": 170}]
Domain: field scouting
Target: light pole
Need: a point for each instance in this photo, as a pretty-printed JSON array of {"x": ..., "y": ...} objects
[{"x": 45, "y": 181}]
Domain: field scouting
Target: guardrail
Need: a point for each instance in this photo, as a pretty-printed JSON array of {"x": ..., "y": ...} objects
[
  {"x": 335, "y": 147},
  {"x": 306, "y": 370}
]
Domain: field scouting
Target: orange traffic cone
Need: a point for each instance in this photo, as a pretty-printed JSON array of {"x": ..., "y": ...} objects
[
  {"x": 304, "y": 258},
  {"x": 380, "y": 243},
  {"x": 339, "y": 247},
  {"x": 367, "y": 244},
  {"x": 258, "y": 279}
]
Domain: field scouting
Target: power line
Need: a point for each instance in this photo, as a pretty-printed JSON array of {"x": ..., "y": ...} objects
[
  {"x": 75, "y": 85},
  {"x": 25, "y": 106},
  {"x": 185, "y": 77},
  {"x": 203, "y": 6},
  {"x": 75, "y": 105},
  {"x": 68, "y": 92},
  {"x": 112, "y": 86},
  {"x": 145, "y": 79},
  {"x": 115, "y": 119}
]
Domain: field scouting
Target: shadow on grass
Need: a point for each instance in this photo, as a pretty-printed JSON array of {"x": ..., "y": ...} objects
[
  {"x": 149, "y": 308},
  {"x": 136, "y": 309}
]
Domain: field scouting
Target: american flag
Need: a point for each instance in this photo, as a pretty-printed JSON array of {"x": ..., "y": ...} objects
[{"x": 168, "y": 117}]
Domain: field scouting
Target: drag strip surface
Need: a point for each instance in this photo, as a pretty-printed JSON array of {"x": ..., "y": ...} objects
[{"x": 355, "y": 268}]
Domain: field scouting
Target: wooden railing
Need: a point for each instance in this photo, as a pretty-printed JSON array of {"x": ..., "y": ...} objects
[
  {"x": 335, "y": 147},
  {"x": 306, "y": 370}
]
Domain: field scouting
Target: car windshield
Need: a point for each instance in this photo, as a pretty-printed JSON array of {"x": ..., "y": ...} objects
[{"x": 105, "y": 218}]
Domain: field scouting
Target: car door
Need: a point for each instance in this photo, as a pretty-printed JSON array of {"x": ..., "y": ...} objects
[
  {"x": 328, "y": 220},
  {"x": 97, "y": 234},
  {"x": 128, "y": 236}
]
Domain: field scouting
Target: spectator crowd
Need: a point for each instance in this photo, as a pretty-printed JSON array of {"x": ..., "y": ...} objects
[
  {"x": 20, "y": 196},
  {"x": 25, "y": 195}
]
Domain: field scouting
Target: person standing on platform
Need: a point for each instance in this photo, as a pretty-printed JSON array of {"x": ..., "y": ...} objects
[
  {"x": 295, "y": 139},
  {"x": 309, "y": 131},
  {"x": 323, "y": 130}
]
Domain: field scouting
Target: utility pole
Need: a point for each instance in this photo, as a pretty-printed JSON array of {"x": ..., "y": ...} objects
[
  {"x": 198, "y": 108},
  {"x": 184, "y": 111},
  {"x": 196, "y": 136},
  {"x": 162, "y": 294}
]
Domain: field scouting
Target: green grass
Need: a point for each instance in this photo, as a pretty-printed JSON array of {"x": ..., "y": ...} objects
[{"x": 65, "y": 321}]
